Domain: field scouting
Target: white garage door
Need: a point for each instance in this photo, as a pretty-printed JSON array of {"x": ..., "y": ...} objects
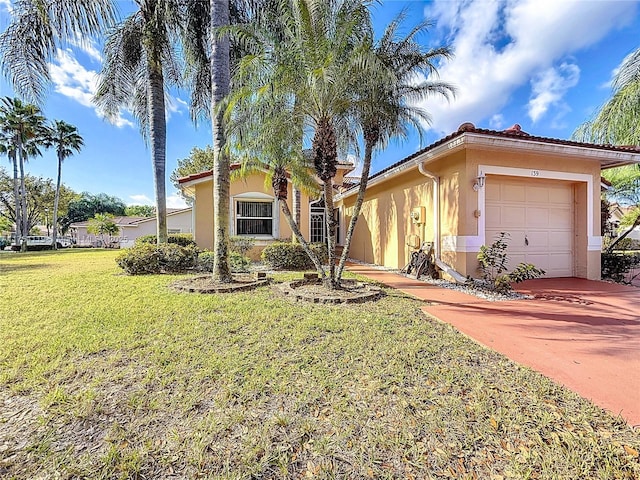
[{"x": 538, "y": 216}]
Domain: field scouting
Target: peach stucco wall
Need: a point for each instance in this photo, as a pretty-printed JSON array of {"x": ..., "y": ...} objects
[
  {"x": 384, "y": 222},
  {"x": 253, "y": 183}
]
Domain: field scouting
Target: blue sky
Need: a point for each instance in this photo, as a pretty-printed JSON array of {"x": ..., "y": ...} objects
[{"x": 546, "y": 65}]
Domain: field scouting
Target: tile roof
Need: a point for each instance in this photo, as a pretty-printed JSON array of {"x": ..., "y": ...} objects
[{"x": 514, "y": 131}]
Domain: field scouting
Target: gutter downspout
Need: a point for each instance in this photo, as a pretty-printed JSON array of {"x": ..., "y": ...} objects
[{"x": 457, "y": 276}]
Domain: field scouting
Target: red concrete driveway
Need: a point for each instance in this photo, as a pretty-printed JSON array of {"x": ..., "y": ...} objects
[{"x": 583, "y": 334}]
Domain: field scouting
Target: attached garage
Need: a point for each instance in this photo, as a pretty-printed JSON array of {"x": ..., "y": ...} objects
[
  {"x": 475, "y": 183},
  {"x": 537, "y": 216}
]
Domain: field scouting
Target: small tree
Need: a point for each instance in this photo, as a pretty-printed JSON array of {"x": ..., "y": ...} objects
[
  {"x": 102, "y": 224},
  {"x": 493, "y": 265}
]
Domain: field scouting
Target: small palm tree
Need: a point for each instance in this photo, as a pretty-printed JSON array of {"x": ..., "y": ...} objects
[
  {"x": 140, "y": 61},
  {"x": 102, "y": 224},
  {"x": 387, "y": 91},
  {"x": 263, "y": 138},
  {"x": 24, "y": 123},
  {"x": 305, "y": 51},
  {"x": 65, "y": 139},
  {"x": 37, "y": 29}
]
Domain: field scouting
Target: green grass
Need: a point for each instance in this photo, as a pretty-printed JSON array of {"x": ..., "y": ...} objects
[{"x": 107, "y": 376}]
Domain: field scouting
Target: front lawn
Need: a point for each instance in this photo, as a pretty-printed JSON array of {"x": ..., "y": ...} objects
[{"x": 107, "y": 376}]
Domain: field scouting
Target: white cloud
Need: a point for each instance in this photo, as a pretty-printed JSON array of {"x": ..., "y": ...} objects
[
  {"x": 549, "y": 87},
  {"x": 88, "y": 46},
  {"x": 6, "y": 5},
  {"x": 176, "y": 201},
  {"x": 74, "y": 81},
  {"x": 140, "y": 199},
  {"x": 496, "y": 121},
  {"x": 500, "y": 45}
]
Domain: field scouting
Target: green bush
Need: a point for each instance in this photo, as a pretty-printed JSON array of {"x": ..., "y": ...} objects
[
  {"x": 291, "y": 256},
  {"x": 616, "y": 266},
  {"x": 624, "y": 244},
  {"x": 237, "y": 263},
  {"x": 182, "y": 239},
  {"x": 241, "y": 245},
  {"x": 145, "y": 258}
]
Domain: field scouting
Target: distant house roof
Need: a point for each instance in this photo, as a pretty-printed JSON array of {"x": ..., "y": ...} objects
[
  {"x": 123, "y": 221},
  {"x": 612, "y": 155}
]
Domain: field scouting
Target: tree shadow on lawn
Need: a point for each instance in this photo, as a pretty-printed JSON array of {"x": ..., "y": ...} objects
[{"x": 18, "y": 267}]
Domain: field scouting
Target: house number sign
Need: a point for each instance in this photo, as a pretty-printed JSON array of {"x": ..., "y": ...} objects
[{"x": 535, "y": 173}]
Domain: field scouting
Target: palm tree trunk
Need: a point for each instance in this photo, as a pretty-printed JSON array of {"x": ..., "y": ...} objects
[
  {"x": 158, "y": 136},
  {"x": 298, "y": 235},
  {"x": 56, "y": 200},
  {"x": 23, "y": 198},
  {"x": 16, "y": 197},
  {"x": 368, "y": 149},
  {"x": 220, "y": 86},
  {"x": 297, "y": 198},
  {"x": 331, "y": 282}
]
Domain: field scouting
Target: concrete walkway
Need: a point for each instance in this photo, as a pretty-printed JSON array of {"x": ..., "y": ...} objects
[{"x": 583, "y": 334}]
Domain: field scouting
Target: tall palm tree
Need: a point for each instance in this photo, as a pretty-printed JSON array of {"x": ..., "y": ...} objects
[
  {"x": 7, "y": 147},
  {"x": 140, "y": 62},
  {"x": 25, "y": 125},
  {"x": 209, "y": 55},
  {"x": 37, "y": 29},
  {"x": 65, "y": 139},
  {"x": 387, "y": 91},
  {"x": 306, "y": 51}
]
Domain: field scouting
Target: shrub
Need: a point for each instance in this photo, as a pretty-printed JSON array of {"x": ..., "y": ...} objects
[
  {"x": 624, "y": 244},
  {"x": 182, "y": 239},
  {"x": 237, "y": 263},
  {"x": 241, "y": 245},
  {"x": 291, "y": 256},
  {"x": 145, "y": 258},
  {"x": 616, "y": 266},
  {"x": 493, "y": 265}
]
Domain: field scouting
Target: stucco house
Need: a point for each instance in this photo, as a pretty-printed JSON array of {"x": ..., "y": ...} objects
[
  {"x": 460, "y": 192},
  {"x": 178, "y": 221},
  {"x": 254, "y": 210}
]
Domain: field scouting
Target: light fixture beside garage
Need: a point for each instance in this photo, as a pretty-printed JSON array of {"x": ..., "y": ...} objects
[{"x": 479, "y": 182}]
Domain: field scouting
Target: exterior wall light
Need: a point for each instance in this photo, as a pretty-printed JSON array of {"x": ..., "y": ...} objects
[{"x": 479, "y": 182}]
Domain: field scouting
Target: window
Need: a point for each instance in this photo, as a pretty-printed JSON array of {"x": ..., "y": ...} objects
[{"x": 254, "y": 218}]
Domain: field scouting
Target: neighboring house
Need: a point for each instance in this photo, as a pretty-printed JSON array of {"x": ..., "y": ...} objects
[
  {"x": 254, "y": 210},
  {"x": 130, "y": 228},
  {"x": 464, "y": 189},
  {"x": 618, "y": 211}
]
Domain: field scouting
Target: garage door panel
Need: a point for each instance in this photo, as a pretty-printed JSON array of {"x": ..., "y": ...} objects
[
  {"x": 540, "y": 211},
  {"x": 537, "y": 216},
  {"x": 512, "y": 216},
  {"x": 559, "y": 216},
  {"x": 561, "y": 195},
  {"x": 512, "y": 192}
]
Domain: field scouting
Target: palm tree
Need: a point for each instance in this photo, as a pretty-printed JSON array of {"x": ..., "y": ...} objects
[
  {"x": 263, "y": 138},
  {"x": 65, "y": 139},
  {"x": 385, "y": 105},
  {"x": 209, "y": 54},
  {"x": 25, "y": 125},
  {"x": 306, "y": 51},
  {"x": 37, "y": 29},
  {"x": 140, "y": 61},
  {"x": 616, "y": 122},
  {"x": 7, "y": 147}
]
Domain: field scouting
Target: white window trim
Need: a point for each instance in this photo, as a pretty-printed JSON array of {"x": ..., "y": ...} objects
[
  {"x": 472, "y": 243},
  {"x": 255, "y": 197}
]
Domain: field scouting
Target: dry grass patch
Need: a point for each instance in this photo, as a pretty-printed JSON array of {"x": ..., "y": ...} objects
[{"x": 110, "y": 376}]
